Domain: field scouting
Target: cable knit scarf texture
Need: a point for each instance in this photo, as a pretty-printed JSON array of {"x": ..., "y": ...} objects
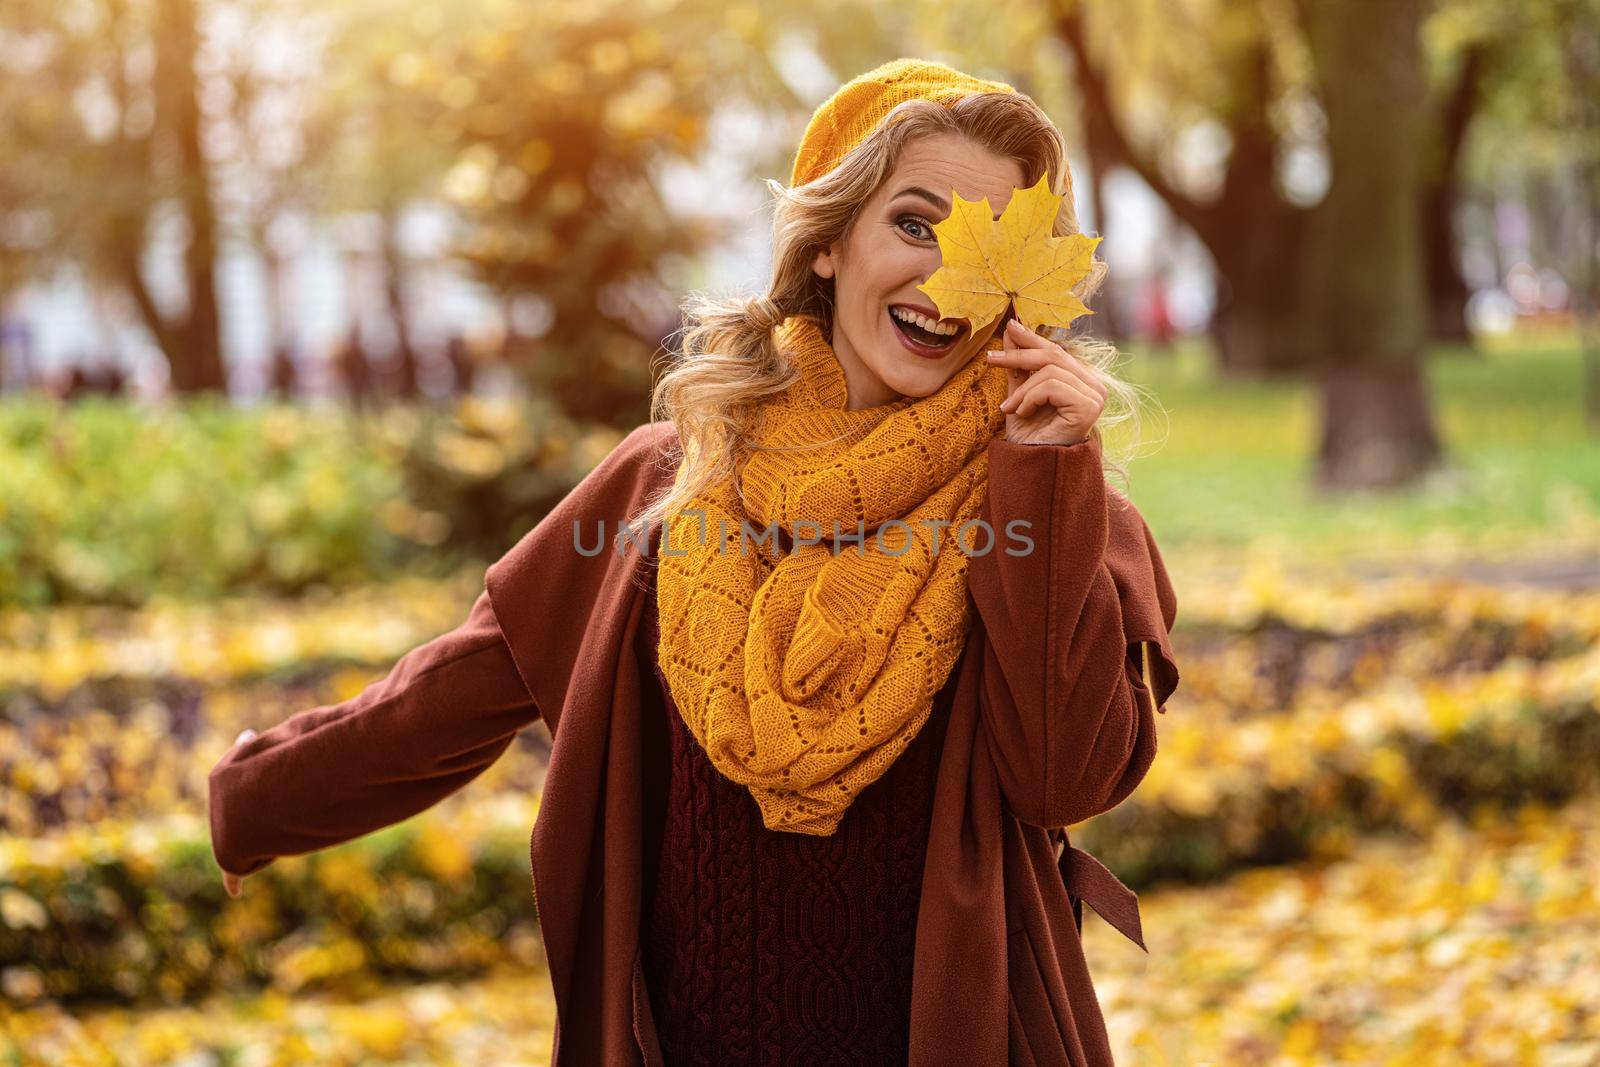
[{"x": 804, "y": 673}]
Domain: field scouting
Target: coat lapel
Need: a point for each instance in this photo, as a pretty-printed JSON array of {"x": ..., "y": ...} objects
[
  {"x": 571, "y": 621},
  {"x": 958, "y": 982}
]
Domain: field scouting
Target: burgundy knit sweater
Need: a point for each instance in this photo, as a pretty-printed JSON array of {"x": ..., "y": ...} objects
[{"x": 775, "y": 948}]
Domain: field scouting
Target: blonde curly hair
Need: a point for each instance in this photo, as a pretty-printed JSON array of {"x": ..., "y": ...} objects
[{"x": 728, "y": 361}]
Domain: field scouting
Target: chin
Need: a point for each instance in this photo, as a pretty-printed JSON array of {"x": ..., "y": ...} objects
[
  {"x": 914, "y": 377},
  {"x": 921, "y": 380}
]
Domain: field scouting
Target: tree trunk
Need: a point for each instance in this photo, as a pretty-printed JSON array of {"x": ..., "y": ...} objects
[
  {"x": 278, "y": 307},
  {"x": 1447, "y": 289},
  {"x": 1582, "y": 62},
  {"x": 394, "y": 270},
  {"x": 1256, "y": 241},
  {"x": 1108, "y": 312},
  {"x": 1366, "y": 287},
  {"x": 1377, "y": 430},
  {"x": 1441, "y": 192},
  {"x": 1100, "y": 156},
  {"x": 1259, "y": 326},
  {"x": 5, "y": 346},
  {"x": 197, "y": 363},
  {"x": 1253, "y": 234}
]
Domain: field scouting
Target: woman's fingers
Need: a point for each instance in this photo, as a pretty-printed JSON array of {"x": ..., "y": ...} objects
[
  {"x": 234, "y": 883},
  {"x": 1044, "y": 388},
  {"x": 1031, "y": 359},
  {"x": 1050, "y": 373},
  {"x": 1047, "y": 383},
  {"x": 1026, "y": 350}
]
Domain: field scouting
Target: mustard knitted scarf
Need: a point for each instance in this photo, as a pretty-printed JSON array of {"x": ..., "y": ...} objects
[{"x": 805, "y": 673}]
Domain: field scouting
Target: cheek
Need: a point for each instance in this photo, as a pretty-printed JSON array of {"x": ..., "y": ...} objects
[{"x": 889, "y": 267}]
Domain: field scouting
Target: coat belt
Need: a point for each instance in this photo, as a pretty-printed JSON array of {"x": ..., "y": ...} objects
[{"x": 1089, "y": 880}]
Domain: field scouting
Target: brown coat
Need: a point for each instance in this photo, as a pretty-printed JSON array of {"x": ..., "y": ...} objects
[{"x": 1052, "y": 723}]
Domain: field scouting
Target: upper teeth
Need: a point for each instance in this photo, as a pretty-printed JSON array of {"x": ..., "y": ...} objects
[{"x": 907, "y": 315}]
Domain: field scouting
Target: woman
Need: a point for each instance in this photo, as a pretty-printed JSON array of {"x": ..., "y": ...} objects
[{"x": 807, "y": 794}]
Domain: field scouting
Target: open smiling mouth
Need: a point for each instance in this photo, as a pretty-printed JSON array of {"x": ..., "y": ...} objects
[{"x": 914, "y": 333}]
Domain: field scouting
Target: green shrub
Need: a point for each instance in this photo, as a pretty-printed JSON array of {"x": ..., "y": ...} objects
[{"x": 109, "y": 501}]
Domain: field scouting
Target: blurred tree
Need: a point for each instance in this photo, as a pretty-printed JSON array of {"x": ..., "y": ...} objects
[
  {"x": 1540, "y": 147},
  {"x": 378, "y": 152},
  {"x": 270, "y": 56},
  {"x": 1238, "y": 74},
  {"x": 463, "y": 367},
  {"x": 24, "y": 230},
  {"x": 1211, "y": 73},
  {"x": 1585, "y": 66},
  {"x": 191, "y": 339},
  {"x": 1364, "y": 295},
  {"x": 560, "y": 123},
  {"x": 353, "y": 368},
  {"x": 550, "y": 130},
  {"x": 1578, "y": 23},
  {"x": 1286, "y": 193},
  {"x": 106, "y": 140},
  {"x": 1460, "y": 99},
  {"x": 283, "y": 375}
]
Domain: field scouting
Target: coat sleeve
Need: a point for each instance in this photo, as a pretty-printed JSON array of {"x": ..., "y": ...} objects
[
  {"x": 442, "y": 715},
  {"x": 1076, "y": 658},
  {"x": 449, "y": 708}
]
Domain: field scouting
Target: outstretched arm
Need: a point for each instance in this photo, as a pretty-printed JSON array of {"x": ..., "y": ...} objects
[
  {"x": 448, "y": 708},
  {"x": 443, "y": 714}
]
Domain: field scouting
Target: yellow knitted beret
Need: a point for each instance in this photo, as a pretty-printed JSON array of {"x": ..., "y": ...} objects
[{"x": 855, "y": 109}]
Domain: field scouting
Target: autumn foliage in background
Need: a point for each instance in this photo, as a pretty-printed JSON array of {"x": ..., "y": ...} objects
[{"x": 1372, "y": 832}]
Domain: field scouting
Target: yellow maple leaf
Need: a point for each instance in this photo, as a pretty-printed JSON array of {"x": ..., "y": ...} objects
[{"x": 1015, "y": 260}]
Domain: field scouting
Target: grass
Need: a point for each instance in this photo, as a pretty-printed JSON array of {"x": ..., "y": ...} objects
[{"x": 1227, "y": 467}]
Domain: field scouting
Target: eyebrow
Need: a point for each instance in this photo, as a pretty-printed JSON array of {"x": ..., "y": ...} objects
[
  {"x": 916, "y": 190},
  {"x": 933, "y": 198}
]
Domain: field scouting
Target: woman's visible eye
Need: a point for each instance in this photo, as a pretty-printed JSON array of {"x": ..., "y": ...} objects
[{"x": 915, "y": 221}]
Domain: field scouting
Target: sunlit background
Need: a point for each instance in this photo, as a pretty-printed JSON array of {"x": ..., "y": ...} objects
[{"x": 309, "y": 311}]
